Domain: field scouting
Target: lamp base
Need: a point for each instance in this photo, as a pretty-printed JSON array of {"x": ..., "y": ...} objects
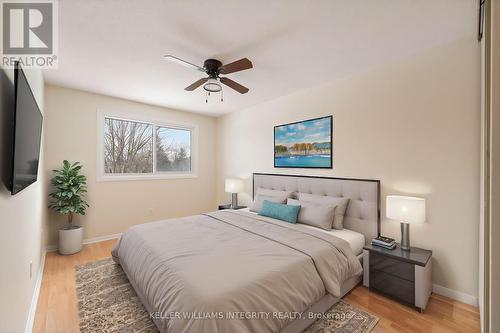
[
  {"x": 234, "y": 200},
  {"x": 405, "y": 236}
]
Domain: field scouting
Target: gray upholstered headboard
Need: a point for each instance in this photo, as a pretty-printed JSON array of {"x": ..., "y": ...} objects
[{"x": 363, "y": 212}]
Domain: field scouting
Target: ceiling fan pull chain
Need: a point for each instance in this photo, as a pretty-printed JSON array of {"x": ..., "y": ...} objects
[
  {"x": 206, "y": 97},
  {"x": 222, "y": 95}
]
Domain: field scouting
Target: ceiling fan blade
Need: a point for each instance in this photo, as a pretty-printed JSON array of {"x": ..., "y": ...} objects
[
  {"x": 234, "y": 85},
  {"x": 183, "y": 62},
  {"x": 236, "y": 66},
  {"x": 196, "y": 84}
]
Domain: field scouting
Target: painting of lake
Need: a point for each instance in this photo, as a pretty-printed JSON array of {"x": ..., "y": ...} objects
[{"x": 304, "y": 144}]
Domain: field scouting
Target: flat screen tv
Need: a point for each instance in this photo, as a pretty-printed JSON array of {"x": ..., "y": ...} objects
[{"x": 27, "y": 134}]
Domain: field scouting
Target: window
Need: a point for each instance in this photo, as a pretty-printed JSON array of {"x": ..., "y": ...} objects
[
  {"x": 173, "y": 149},
  {"x": 134, "y": 149},
  {"x": 128, "y": 146}
]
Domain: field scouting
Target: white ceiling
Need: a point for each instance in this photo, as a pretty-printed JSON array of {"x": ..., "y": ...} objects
[{"x": 115, "y": 47}]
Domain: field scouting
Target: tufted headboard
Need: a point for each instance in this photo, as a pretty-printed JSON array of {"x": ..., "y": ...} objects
[{"x": 363, "y": 212}]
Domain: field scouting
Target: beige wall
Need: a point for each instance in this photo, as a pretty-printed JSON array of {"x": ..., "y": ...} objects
[
  {"x": 20, "y": 222},
  {"x": 413, "y": 124},
  {"x": 71, "y": 133}
]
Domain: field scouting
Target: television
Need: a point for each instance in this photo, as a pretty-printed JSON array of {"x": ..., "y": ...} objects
[{"x": 27, "y": 134}]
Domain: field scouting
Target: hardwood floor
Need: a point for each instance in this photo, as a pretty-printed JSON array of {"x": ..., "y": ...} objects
[
  {"x": 57, "y": 309},
  {"x": 442, "y": 314}
]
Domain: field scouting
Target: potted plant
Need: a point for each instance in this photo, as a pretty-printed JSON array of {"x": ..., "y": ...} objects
[{"x": 67, "y": 198}]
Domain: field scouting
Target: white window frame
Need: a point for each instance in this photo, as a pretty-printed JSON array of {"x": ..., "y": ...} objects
[{"x": 102, "y": 176}]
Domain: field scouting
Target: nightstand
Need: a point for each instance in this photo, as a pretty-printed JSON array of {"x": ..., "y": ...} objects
[
  {"x": 403, "y": 275},
  {"x": 221, "y": 207}
]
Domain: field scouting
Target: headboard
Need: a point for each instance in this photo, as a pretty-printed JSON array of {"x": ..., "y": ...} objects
[{"x": 363, "y": 212}]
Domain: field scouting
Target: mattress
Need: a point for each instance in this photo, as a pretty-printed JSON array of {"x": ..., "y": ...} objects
[{"x": 355, "y": 239}]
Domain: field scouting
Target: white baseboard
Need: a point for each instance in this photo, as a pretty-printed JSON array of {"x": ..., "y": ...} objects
[
  {"x": 51, "y": 248},
  {"x": 101, "y": 238},
  {"x": 36, "y": 294},
  {"x": 456, "y": 295},
  {"x": 89, "y": 241}
]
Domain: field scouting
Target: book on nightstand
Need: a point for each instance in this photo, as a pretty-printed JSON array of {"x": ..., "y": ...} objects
[{"x": 385, "y": 242}]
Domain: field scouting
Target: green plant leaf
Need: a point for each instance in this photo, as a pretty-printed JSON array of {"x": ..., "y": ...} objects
[{"x": 69, "y": 188}]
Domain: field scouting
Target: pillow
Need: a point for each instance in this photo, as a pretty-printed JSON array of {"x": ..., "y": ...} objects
[
  {"x": 320, "y": 216},
  {"x": 274, "y": 193},
  {"x": 259, "y": 199},
  {"x": 341, "y": 203},
  {"x": 287, "y": 213}
]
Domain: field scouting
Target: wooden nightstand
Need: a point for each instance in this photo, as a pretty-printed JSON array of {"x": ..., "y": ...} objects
[
  {"x": 403, "y": 275},
  {"x": 221, "y": 207}
]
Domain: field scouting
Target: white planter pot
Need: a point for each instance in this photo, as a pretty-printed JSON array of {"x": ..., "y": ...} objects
[{"x": 70, "y": 240}]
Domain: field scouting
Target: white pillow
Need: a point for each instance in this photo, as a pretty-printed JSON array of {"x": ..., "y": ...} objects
[
  {"x": 340, "y": 203},
  {"x": 259, "y": 199},
  {"x": 320, "y": 216}
]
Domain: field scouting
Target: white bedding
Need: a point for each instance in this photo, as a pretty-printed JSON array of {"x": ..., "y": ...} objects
[{"x": 355, "y": 239}]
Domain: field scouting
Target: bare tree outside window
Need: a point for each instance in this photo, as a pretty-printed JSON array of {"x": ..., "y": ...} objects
[
  {"x": 173, "y": 149},
  {"x": 128, "y": 147}
]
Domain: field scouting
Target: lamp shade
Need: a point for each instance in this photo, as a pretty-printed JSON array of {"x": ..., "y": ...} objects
[
  {"x": 405, "y": 209},
  {"x": 234, "y": 185}
]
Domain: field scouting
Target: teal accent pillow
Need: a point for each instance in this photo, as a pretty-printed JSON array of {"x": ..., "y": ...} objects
[{"x": 287, "y": 213}]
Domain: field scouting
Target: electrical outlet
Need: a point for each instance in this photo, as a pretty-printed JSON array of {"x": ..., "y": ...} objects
[{"x": 31, "y": 269}]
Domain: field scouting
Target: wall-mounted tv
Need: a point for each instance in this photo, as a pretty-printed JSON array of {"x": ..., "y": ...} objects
[{"x": 27, "y": 134}]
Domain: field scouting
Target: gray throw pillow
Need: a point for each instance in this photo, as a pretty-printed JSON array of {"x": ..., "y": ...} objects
[
  {"x": 340, "y": 203},
  {"x": 320, "y": 216},
  {"x": 259, "y": 199}
]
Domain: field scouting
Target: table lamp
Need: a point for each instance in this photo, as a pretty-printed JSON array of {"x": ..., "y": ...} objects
[
  {"x": 234, "y": 186},
  {"x": 407, "y": 210}
]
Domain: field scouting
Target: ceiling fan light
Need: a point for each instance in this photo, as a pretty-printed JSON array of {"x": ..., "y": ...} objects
[{"x": 212, "y": 85}]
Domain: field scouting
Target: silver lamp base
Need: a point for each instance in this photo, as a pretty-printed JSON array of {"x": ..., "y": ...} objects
[
  {"x": 405, "y": 236},
  {"x": 234, "y": 200}
]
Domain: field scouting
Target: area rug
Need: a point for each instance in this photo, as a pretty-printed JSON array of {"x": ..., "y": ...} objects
[{"x": 108, "y": 303}]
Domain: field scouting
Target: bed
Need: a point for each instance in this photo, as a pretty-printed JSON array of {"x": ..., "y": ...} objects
[{"x": 236, "y": 271}]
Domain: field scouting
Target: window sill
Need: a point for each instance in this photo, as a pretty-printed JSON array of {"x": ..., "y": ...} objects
[{"x": 119, "y": 178}]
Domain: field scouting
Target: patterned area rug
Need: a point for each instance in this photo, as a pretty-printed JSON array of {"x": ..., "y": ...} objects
[{"x": 108, "y": 303}]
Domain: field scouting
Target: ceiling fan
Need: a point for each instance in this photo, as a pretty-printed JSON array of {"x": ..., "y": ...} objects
[{"x": 214, "y": 68}]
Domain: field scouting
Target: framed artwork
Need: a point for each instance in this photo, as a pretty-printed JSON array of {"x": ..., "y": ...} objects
[{"x": 304, "y": 144}]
